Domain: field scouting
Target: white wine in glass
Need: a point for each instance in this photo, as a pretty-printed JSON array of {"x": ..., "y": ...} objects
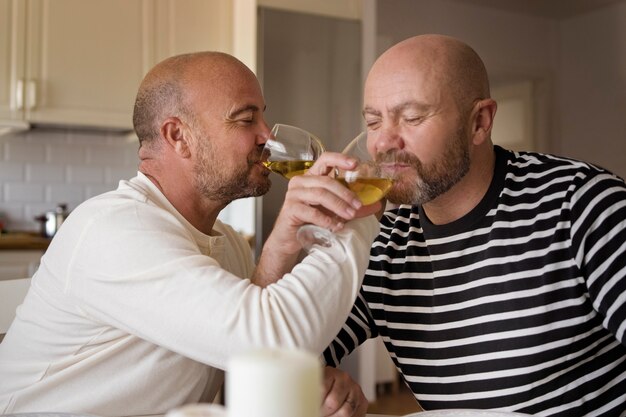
[
  {"x": 369, "y": 180},
  {"x": 291, "y": 151},
  {"x": 368, "y": 189},
  {"x": 288, "y": 169}
]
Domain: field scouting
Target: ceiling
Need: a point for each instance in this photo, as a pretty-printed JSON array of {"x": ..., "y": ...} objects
[{"x": 556, "y": 9}]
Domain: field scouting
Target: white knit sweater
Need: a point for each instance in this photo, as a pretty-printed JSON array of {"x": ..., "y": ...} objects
[{"x": 134, "y": 311}]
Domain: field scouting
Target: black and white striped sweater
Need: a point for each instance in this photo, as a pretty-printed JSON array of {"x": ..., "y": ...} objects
[{"x": 520, "y": 305}]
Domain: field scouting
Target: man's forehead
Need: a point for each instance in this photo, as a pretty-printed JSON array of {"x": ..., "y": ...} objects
[
  {"x": 229, "y": 95},
  {"x": 244, "y": 95},
  {"x": 391, "y": 92},
  {"x": 402, "y": 90}
]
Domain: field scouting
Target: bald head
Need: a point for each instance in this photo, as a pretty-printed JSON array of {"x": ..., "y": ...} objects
[
  {"x": 448, "y": 64},
  {"x": 168, "y": 88}
]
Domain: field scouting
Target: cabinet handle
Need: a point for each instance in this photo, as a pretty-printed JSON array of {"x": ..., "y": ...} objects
[
  {"x": 31, "y": 94},
  {"x": 19, "y": 95}
]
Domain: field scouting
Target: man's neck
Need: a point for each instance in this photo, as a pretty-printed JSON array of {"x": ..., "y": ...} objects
[{"x": 201, "y": 213}]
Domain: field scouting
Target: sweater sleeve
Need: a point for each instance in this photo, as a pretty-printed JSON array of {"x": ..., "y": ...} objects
[
  {"x": 140, "y": 271},
  {"x": 355, "y": 331},
  {"x": 598, "y": 233}
]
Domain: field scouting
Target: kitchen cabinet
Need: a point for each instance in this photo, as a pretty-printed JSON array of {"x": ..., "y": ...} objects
[
  {"x": 79, "y": 62},
  {"x": 193, "y": 25},
  {"x": 73, "y": 62},
  {"x": 17, "y": 264},
  {"x": 12, "y": 293}
]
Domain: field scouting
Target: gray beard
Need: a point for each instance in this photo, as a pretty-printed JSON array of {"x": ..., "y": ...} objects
[{"x": 429, "y": 182}]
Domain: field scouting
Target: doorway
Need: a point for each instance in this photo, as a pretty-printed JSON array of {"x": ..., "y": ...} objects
[
  {"x": 513, "y": 125},
  {"x": 309, "y": 67}
]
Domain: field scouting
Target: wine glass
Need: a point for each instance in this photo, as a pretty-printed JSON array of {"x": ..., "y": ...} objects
[
  {"x": 291, "y": 151},
  {"x": 369, "y": 180}
]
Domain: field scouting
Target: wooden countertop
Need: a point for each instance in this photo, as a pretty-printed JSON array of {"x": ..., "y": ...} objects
[{"x": 23, "y": 241}]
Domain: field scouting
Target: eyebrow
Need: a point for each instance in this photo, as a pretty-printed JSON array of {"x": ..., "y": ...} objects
[
  {"x": 250, "y": 107},
  {"x": 398, "y": 108},
  {"x": 370, "y": 110}
]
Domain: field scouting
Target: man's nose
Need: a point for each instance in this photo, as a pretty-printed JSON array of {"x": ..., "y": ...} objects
[
  {"x": 389, "y": 137},
  {"x": 264, "y": 134}
]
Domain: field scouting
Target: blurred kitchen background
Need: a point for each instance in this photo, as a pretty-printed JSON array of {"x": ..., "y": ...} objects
[{"x": 70, "y": 70}]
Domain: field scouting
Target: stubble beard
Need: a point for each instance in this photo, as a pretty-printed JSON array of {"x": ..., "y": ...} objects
[
  {"x": 216, "y": 182},
  {"x": 424, "y": 183}
]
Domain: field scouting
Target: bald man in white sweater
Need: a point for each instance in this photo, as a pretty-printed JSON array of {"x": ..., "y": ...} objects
[{"x": 143, "y": 295}]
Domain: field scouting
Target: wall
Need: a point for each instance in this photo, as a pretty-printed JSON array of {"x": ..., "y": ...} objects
[
  {"x": 41, "y": 168},
  {"x": 576, "y": 66},
  {"x": 592, "y": 87},
  {"x": 348, "y": 9},
  {"x": 510, "y": 44},
  {"x": 310, "y": 70},
  {"x": 515, "y": 47}
]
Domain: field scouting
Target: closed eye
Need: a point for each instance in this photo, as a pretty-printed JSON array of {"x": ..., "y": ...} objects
[
  {"x": 372, "y": 123},
  {"x": 244, "y": 115},
  {"x": 414, "y": 119},
  {"x": 246, "y": 121}
]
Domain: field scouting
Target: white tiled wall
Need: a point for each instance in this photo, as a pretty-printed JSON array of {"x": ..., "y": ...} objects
[{"x": 44, "y": 167}]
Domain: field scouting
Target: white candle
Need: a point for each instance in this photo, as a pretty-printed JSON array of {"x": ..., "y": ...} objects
[{"x": 274, "y": 383}]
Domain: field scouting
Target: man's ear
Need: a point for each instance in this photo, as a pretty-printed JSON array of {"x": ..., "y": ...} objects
[
  {"x": 482, "y": 119},
  {"x": 176, "y": 135}
]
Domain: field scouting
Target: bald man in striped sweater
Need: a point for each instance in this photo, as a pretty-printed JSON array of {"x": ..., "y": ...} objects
[{"x": 499, "y": 281}]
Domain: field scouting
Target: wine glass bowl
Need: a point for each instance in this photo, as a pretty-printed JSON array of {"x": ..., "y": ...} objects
[
  {"x": 369, "y": 180},
  {"x": 290, "y": 151}
]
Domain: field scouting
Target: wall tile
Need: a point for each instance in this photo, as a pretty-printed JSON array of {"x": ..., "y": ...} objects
[
  {"x": 85, "y": 137},
  {"x": 45, "y": 173},
  {"x": 131, "y": 156},
  {"x": 83, "y": 174},
  {"x": 33, "y": 210},
  {"x": 116, "y": 154},
  {"x": 22, "y": 151},
  {"x": 65, "y": 193},
  {"x": 46, "y": 136},
  {"x": 12, "y": 213},
  {"x": 22, "y": 192},
  {"x": 94, "y": 190},
  {"x": 114, "y": 174},
  {"x": 67, "y": 154},
  {"x": 11, "y": 172},
  {"x": 42, "y": 168}
]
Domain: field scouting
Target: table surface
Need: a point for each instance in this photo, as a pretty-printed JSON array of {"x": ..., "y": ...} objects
[
  {"x": 154, "y": 415},
  {"x": 23, "y": 241}
]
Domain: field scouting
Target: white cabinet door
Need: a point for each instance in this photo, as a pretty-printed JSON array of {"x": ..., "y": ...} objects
[
  {"x": 12, "y": 293},
  {"x": 85, "y": 59},
  {"x": 12, "y": 32},
  {"x": 193, "y": 25},
  {"x": 79, "y": 62},
  {"x": 16, "y": 264}
]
